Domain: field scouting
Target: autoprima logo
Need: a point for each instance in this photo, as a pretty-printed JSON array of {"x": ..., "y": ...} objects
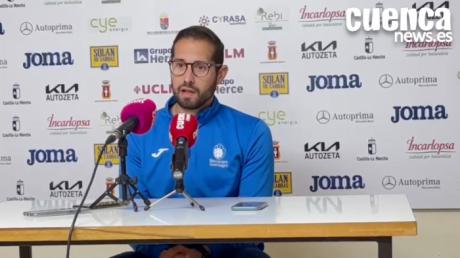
[
  {"x": 389, "y": 182},
  {"x": 323, "y": 117},
  {"x": 385, "y": 81},
  {"x": 26, "y": 28}
]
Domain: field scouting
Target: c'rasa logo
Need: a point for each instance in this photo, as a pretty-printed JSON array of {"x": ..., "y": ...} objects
[
  {"x": 48, "y": 59},
  {"x": 225, "y": 19},
  {"x": 65, "y": 189},
  {"x": 52, "y": 156},
  {"x": 419, "y": 113},
  {"x": 408, "y": 24},
  {"x": 229, "y": 86},
  {"x": 338, "y": 182},
  {"x": 283, "y": 182},
  {"x": 320, "y": 150},
  {"x": 334, "y": 81},
  {"x": 271, "y": 18},
  {"x": 273, "y": 84},
  {"x": 104, "y": 57},
  {"x": 61, "y": 92},
  {"x": 110, "y": 157},
  {"x": 318, "y": 50}
]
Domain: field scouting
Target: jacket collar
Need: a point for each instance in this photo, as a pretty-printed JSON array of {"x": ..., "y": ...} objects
[{"x": 204, "y": 115}]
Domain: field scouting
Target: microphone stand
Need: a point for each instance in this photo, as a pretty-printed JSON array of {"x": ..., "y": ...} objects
[
  {"x": 178, "y": 175},
  {"x": 124, "y": 181}
]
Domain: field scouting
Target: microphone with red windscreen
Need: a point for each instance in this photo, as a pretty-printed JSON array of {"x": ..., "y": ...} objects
[
  {"x": 138, "y": 117},
  {"x": 183, "y": 132}
]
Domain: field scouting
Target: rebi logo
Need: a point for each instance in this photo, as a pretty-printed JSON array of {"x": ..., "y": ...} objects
[
  {"x": 47, "y": 59},
  {"x": 419, "y": 113},
  {"x": 337, "y": 183},
  {"x": 409, "y": 24},
  {"x": 52, "y": 156},
  {"x": 333, "y": 82},
  {"x": 318, "y": 50}
]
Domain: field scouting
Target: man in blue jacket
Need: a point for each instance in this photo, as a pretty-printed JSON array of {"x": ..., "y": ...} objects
[{"x": 233, "y": 154}]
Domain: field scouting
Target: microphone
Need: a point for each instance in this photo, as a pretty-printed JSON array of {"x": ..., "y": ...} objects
[
  {"x": 138, "y": 117},
  {"x": 183, "y": 132}
]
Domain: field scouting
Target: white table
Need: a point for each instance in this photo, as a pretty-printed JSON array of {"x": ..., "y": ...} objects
[{"x": 288, "y": 218}]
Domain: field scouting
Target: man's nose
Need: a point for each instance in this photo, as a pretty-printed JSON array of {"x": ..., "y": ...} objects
[{"x": 189, "y": 77}]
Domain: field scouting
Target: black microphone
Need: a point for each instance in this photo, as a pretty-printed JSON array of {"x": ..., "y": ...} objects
[{"x": 122, "y": 130}]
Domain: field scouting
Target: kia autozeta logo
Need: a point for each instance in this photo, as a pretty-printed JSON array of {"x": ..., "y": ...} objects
[
  {"x": 323, "y": 117},
  {"x": 26, "y": 28},
  {"x": 385, "y": 80},
  {"x": 389, "y": 182}
]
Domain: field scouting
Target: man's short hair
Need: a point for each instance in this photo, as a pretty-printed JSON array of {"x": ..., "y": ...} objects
[{"x": 202, "y": 33}]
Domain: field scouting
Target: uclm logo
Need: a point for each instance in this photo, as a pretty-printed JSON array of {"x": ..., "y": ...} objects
[{"x": 408, "y": 24}]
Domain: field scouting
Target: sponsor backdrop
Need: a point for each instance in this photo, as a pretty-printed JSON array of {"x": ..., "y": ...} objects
[{"x": 350, "y": 113}]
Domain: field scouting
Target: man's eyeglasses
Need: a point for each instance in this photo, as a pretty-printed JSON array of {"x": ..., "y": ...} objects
[{"x": 199, "y": 68}]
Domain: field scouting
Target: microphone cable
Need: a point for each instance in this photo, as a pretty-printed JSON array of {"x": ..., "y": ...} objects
[{"x": 72, "y": 227}]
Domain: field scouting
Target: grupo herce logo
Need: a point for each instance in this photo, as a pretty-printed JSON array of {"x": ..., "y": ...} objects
[
  {"x": 152, "y": 55},
  {"x": 337, "y": 182},
  {"x": 428, "y": 112},
  {"x": 229, "y": 86},
  {"x": 408, "y": 24},
  {"x": 47, "y": 59},
  {"x": 52, "y": 156},
  {"x": 104, "y": 57},
  {"x": 283, "y": 182},
  {"x": 334, "y": 81},
  {"x": 273, "y": 84},
  {"x": 110, "y": 156}
]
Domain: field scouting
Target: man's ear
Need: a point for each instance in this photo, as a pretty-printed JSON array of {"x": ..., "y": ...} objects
[{"x": 222, "y": 73}]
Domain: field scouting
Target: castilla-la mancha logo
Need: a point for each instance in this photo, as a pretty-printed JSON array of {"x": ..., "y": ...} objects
[{"x": 408, "y": 24}]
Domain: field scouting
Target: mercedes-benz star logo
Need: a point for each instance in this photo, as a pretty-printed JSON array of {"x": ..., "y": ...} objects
[
  {"x": 26, "y": 28},
  {"x": 323, "y": 117},
  {"x": 389, "y": 182},
  {"x": 386, "y": 81}
]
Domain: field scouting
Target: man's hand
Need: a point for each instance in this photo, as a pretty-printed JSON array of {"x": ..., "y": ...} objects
[{"x": 180, "y": 251}]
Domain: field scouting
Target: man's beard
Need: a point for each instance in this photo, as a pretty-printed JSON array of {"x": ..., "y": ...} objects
[{"x": 202, "y": 97}]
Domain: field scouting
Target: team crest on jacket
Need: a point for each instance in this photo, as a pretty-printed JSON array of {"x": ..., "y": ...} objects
[{"x": 218, "y": 152}]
